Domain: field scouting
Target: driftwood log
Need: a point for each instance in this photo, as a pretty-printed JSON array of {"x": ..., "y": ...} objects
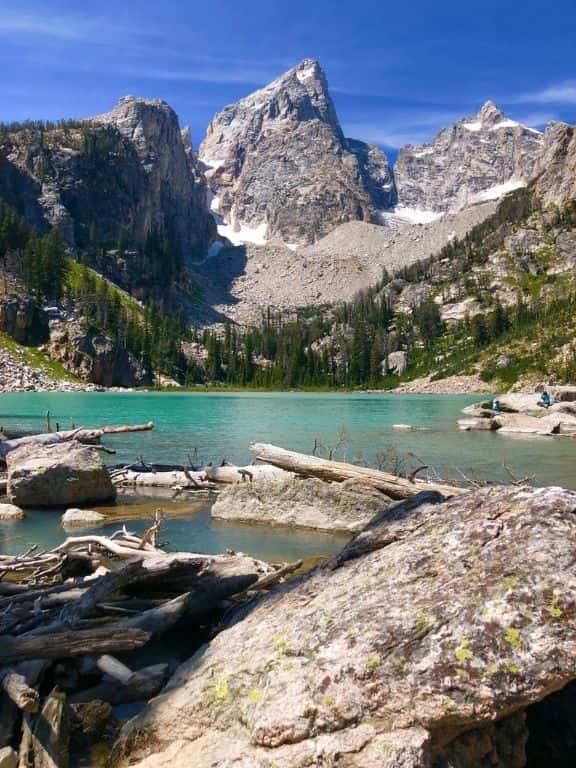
[
  {"x": 65, "y": 627},
  {"x": 88, "y": 436},
  {"x": 337, "y": 471}
]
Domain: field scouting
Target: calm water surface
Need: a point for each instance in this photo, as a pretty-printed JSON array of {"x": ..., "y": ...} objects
[{"x": 216, "y": 426}]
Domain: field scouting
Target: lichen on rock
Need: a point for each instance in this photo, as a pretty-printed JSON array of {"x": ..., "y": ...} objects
[{"x": 443, "y": 618}]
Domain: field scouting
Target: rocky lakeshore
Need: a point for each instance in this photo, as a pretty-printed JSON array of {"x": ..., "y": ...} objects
[
  {"x": 442, "y": 634},
  {"x": 520, "y": 413}
]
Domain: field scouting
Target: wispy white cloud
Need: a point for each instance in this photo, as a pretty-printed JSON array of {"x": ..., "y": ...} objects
[
  {"x": 199, "y": 72},
  {"x": 63, "y": 27},
  {"x": 560, "y": 93}
]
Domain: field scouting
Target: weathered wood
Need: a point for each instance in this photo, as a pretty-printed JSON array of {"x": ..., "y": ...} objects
[
  {"x": 265, "y": 582},
  {"x": 114, "y": 668},
  {"x": 142, "y": 685},
  {"x": 337, "y": 471},
  {"x": 73, "y": 612},
  {"x": 158, "y": 620},
  {"x": 75, "y": 643},
  {"x": 51, "y": 734},
  {"x": 80, "y": 435},
  {"x": 162, "y": 479},
  {"x": 229, "y": 473},
  {"x": 16, "y": 686}
]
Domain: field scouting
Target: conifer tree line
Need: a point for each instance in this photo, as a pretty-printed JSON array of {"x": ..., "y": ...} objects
[{"x": 341, "y": 346}]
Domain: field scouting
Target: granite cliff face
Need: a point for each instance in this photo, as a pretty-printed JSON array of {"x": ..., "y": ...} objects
[
  {"x": 280, "y": 168},
  {"x": 556, "y": 182},
  {"x": 477, "y": 158},
  {"x": 119, "y": 175}
]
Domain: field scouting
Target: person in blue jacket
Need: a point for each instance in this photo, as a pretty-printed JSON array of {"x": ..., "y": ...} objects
[{"x": 545, "y": 400}]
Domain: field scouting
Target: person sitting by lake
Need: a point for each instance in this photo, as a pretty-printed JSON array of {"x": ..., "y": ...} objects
[
  {"x": 545, "y": 400},
  {"x": 496, "y": 406}
]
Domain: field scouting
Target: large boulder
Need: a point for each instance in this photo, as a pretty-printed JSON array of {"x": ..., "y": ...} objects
[
  {"x": 21, "y": 318},
  {"x": 299, "y": 503},
  {"x": 421, "y": 644},
  {"x": 57, "y": 475},
  {"x": 94, "y": 356},
  {"x": 10, "y": 512}
]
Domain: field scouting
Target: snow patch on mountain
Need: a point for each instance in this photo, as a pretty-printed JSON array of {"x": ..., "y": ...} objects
[{"x": 499, "y": 190}]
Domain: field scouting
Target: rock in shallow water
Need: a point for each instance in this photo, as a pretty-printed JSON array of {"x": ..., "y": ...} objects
[
  {"x": 299, "y": 503},
  {"x": 10, "y": 512},
  {"x": 57, "y": 476},
  {"x": 81, "y": 517},
  {"x": 436, "y": 622}
]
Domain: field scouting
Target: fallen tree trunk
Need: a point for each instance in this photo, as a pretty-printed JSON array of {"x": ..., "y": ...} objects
[
  {"x": 75, "y": 643},
  {"x": 229, "y": 473},
  {"x": 337, "y": 471},
  {"x": 171, "y": 479},
  {"x": 80, "y": 435},
  {"x": 141, "y": 685},
  {"x": 50, "y": 735}
]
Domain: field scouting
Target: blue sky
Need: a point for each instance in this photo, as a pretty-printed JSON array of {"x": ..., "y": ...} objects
[{"x": 398, "y": 71}]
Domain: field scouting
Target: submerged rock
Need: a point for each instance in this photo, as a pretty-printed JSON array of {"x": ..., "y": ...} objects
[
  {"x": 81, "y": 517},
  {"x": 298, "y": 503},
  {"x": 422, "y": 643},
  {"x": 57, "y": 475}
]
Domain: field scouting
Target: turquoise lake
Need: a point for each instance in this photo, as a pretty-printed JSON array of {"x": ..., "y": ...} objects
[{"x": 221, "y": 425}]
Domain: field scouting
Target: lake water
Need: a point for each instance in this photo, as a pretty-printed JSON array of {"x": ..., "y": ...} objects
[{"x": 221, "y": 425}]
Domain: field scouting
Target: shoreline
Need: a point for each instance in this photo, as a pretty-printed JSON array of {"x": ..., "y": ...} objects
[{"x": 453, "y": 385}]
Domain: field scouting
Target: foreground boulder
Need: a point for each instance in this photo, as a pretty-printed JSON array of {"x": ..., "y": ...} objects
[
  {"x": 57, "y": 475},
  {"x": 299, "y": 503},
  {"x": 10, "y": 512},
  {"x": 421, "y": 644}
]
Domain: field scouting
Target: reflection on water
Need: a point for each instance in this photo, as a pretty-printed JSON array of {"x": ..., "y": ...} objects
[
  {"x": 188, "y": 527},
  {"x": 215, "y": 426}
]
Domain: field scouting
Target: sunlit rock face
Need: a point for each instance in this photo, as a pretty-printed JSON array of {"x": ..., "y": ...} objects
[
  {"x": 279, "y": 166},
  {"x": 478, "y": 158},
  {"x": 422, "y": 643}
]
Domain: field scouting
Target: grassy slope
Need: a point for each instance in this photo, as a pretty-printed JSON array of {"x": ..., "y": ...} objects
[{"x": 36, "y": 358}]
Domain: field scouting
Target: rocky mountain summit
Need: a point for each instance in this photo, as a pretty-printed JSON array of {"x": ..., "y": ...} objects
[
  {"x": 477, "y": 158},
  {"x": 280, "y": 167},
  {"x": 437, "y": 637},
  {"x": 117, "y": 176}
]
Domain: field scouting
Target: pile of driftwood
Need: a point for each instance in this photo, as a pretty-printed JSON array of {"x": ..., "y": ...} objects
[{"x": 72, "y": 621}]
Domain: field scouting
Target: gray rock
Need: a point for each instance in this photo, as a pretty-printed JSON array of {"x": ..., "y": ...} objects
[
  {"x": 278, "y": 160},
  {"x": 466, "y": 160},
  {"x": 57, "y": 476},
  {"x": 556, "y": 171},
  {"x": 298, "y": 503},
  {"x": 10, "y": 512},
  {"x": 127, "y": 170},
  {"x": 423, "y": 643},
  {"x": 21, "y": 318},
  {"x": 524, "y": 240},
  {"x": 397, "y": 362},
  {"x": 81, "y": 517},
  {"x": 93, "y": 356}
]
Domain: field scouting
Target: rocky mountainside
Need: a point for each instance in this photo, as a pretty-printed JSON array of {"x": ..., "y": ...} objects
[
  {"x": 280, "y": 167},
  {"x": 242, "y": 281},
  {"x": 475, "y": 159},
  {"x": 115, "y": 177},
  {"x": 556, "y": 170}
]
